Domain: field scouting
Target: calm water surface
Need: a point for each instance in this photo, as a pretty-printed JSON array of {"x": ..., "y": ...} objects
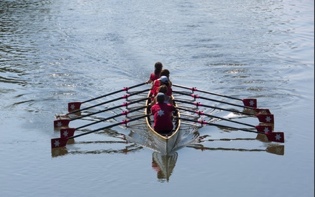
[{"x": 55, "y": 52}]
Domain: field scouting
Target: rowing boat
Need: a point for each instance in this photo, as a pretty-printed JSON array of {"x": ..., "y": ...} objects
[
  {"x": 184, "y": 133},
  {"x": 166, "y": 143}
]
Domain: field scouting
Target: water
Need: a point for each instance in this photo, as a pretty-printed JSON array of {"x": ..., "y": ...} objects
[{"x": 55, "y": 52}]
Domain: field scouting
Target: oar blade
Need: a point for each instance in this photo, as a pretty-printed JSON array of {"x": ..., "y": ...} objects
[
  {"x": 275, "y": 137},
  {"x": 250, "y": 102},
  {"x": 264, "y": 129},
  {"x": 58, "y": 142},
  {"x": 66, "y": 133},
  {"x": 265, "y": 118},
  {"x": 74, "y": 106},
  {"x": 61, "y": 123}
]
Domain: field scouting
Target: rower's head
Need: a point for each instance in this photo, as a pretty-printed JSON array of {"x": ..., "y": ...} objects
[
  {"x": 160, "y": 97},
  {"x": 165, "y": 72},
  {"x": 163, "y": 88},
  {"x": 163, "y": 80},
  {"x": 158, "y": 67}
]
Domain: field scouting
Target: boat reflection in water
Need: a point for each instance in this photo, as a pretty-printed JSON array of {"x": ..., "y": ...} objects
[
  {"x": 163, "y": 159},
  {"x": 140, "y": 135},
  {"x": 164, "y": 165}
]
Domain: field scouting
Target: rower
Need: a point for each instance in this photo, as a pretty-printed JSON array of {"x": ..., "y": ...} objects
[
  {"x": 157, "y": 71},
  {"x": 163, "y": 80},
  {"x": 164, "y": 89},
  {"x": 162, "y": 113}
]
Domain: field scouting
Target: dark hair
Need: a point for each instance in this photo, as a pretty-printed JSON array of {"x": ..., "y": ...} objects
[
  {"x": 165, "y": 72},
  {"x": 160, "y": 98},
  {"x": 158, "y": 68},
  {"x": 163, "y": 88}
]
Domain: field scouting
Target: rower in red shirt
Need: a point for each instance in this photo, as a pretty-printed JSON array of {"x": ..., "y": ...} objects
[
  {"x": 157, "y": 71},
  {"x": 163, "y": 80},
  {"x": 162, "y": 113},
  {"x": 157, "y": 83},
  {"x": 165, "y": 90}
]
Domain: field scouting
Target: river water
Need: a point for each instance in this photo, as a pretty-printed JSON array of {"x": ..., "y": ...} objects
[{"x": 55, "y": 52}]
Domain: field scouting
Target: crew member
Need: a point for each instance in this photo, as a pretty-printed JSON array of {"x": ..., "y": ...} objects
[{"x": 162, "y": 113}]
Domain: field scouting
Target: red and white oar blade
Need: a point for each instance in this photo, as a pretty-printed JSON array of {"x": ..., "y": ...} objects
[
  {"x": 66, "y": 133},
  {"x": 250, "y": 103},
  {"x": 264, "y": 128},
  {"x": 58, "y": 142},
  {"x": 74, "y": 106},
  {"x": 276, "y": 137},
  {"x": 61, "y": 123},
  {"x": 266, "y": 118}
]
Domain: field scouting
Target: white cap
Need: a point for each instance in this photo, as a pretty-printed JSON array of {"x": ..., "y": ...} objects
[{"x": 163, "y": 79}]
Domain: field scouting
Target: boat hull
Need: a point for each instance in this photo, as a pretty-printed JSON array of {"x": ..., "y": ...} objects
[{"x": 166, "y": 144}]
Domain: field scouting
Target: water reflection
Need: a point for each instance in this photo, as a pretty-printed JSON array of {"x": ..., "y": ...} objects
[
  {"x": 273, "y": 148},
  {"x": 164, "y": 165},
  {"x": 62, "y": 151}
]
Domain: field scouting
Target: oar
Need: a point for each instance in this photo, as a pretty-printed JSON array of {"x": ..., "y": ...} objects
[
  {"x": 263, "y": 117},
  {"x": 73, "y": 106},
  {"x": 275, "y": 149},
  {"x": 76, "y": 105},
  {"x": 55, "y": 152},
  {"x": 65, "y": 122},
  {"x": 62, "y": 142},
  {"x": 68, "y": 132},
  {"x": 259, "y": 128},
  {"x": 272, "y": 136},
  {"x": 249, "y": 102},
  {"x": 195, "y": 96}
]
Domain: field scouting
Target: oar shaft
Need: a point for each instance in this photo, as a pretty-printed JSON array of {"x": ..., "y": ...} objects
[
  {"x": 99, "y": 104},
  {"x": 218, "y": 125},
  {"x": 213, "y": 107},
  {"x": 115, "y": 107},
  {"x": 111, "y": 117},
  {"x": 124, "y": 89},
  {"x": 195, "y": 96},
  {"x": 202, "y": 91},
  {"x": 109, "y": 126},
  {"x": 109, "y": 101},
  {"x": 212, "y": 116}
]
